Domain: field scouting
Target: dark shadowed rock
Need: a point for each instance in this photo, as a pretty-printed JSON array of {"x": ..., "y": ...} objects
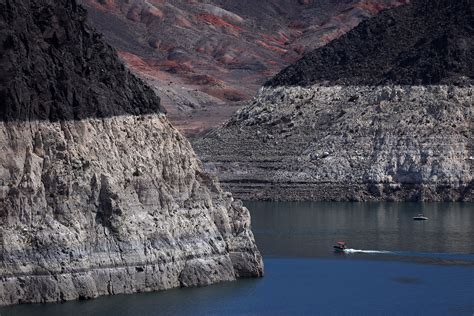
[
  {"x": 425, "y": 42},
  {"x": 55, "y": 67}
]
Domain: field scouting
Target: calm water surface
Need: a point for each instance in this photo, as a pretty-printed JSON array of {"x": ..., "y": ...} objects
[{"x": 395, "y": 266}]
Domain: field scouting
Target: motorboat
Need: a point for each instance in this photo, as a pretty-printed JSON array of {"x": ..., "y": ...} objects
[
  {"x": 420, "y": 217},
  {"x": 340, "y": 246}
]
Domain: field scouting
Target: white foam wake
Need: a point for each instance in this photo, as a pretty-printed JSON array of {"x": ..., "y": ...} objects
[{"x": 365, "y": 251}]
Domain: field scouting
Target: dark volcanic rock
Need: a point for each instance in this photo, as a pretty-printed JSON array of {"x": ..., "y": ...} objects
[
  {"x": 425, "y": 42},
  {"x": 99, "y": 194},
  {"x": 55, "y": 67}
]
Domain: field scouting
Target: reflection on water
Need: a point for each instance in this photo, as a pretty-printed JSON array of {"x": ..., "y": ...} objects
[{"x": 309, "y": 229}]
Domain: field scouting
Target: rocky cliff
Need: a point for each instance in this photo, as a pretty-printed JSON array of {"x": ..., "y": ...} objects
[
  {"x": 99, "y": 194},
  {"x": 383, "y": 113}
]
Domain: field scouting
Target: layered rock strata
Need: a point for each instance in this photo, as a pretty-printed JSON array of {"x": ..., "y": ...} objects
[
  {"x": 363, "y": 118},
  {"x": 99, "y": 194},
  {"x": 348, "y": 143}
]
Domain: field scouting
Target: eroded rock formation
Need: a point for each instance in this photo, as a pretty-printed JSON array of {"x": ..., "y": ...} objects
[
  {"x": 383, "y": 113},
  {"x": 99, "y": 194}
]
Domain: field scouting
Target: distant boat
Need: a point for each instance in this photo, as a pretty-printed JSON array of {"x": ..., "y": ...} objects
[
  {"x": 420, "y": 217},
  {"x": 340, "y": 246}
]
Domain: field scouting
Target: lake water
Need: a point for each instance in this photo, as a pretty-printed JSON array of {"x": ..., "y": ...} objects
[{"x": 395, "y": 266}]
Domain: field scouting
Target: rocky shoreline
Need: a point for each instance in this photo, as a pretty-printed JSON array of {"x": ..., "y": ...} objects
[{"x": 98, "y": 210}]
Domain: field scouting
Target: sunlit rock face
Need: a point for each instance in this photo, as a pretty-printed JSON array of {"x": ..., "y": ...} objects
[
  {"x": 99, "y": 194},
  {"x": 383, "y": 113},
  {"x": 204, "y": 56}
]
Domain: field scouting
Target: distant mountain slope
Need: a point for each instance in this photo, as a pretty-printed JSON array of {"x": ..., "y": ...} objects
[
  {"x": 427, "y": 42},
  {"x": 384, "y": 113},
  {"x": 202, "y": 56}
]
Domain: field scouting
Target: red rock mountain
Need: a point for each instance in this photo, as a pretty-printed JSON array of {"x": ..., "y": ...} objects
[{"x": 202, "y": 57}]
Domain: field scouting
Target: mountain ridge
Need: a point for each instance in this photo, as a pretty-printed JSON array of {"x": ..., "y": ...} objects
[{"x": 417, "y": 49}]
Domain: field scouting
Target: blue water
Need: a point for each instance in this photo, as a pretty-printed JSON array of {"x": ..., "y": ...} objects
[{"x": 396, "y": 267}]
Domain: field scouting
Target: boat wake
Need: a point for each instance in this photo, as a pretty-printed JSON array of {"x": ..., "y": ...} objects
[
  {"x": 366, "y": 251},
  {"x": 465, "y": 257}
]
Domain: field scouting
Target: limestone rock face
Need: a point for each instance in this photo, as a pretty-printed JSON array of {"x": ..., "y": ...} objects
[
  {"x": 348, "y": 143},
  {"x": 99, "y": 194}
]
